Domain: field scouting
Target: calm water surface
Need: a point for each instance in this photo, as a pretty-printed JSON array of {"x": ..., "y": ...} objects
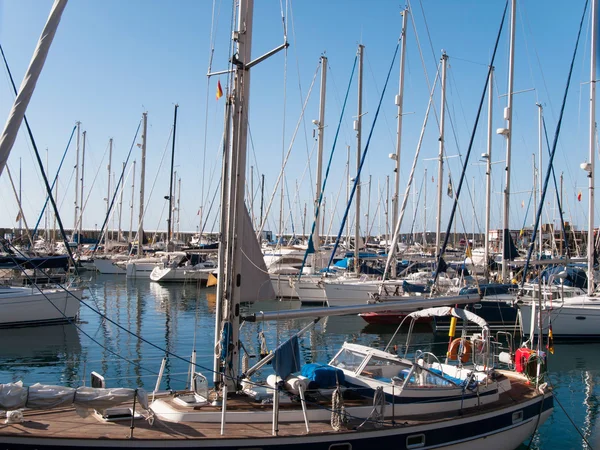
[{"x": 180, "y": 317}]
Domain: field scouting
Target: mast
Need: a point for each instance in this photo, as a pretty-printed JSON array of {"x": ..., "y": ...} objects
[
  {"x": 590, "y": 248},
  {"x": 110, "y": 148},
  {"x": 441, "y": 156},
  {"x": 81, "y": 193},
  {"x": 178, "y": 206},
  {"x": 169, "y": 229},
  {"x": 399, "y": 103},
  {"x": 119, "y": 232},
  {"x": 142, "y": 182},
  {"x": 534, "y": 187},
  {"x": 230, "y": 285},
  {"x": 540, "y": 186},
  {"x": 130, "y": 235},
  {"x": 358, "y": 128},
  {"x": 488, "y": 173},
  {"x": 76, "y": 182},
  {"x": 425, "y": 212},
  {"x": 321, "y": 132},
  {"x": 252, "y": 195},
  {"x": 508, "y": 133}
]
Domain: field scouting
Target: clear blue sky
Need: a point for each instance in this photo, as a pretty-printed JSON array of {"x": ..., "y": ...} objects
[{"x": 112, "y": 60}]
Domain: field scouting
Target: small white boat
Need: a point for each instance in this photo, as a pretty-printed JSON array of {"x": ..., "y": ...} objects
[
  {"x": 174, "y": 273},
  {"x": 21, "y": 306},
  {"x": 143, "y": 267}
]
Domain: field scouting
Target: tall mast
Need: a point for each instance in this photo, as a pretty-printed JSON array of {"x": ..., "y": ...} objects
[
  {"x": 76, "y": 215},
  {"x": 109, "y": 168},
  {"x": 488, "y": 173},
  {"x": 399, "y": 103},
  {"x": 540, "y": 187},
  {"x": 508, "y": 133},
  {"x": 321, "y": 132},
  {"x": 178, "y": 206},
  {"x": 130, "y": 235},
  {"x": 441, "y": 157},
  {"x": 425, "y": 211},
  {"x": 142, "y": 182},
  {"x": 229, "y": 286},
  {"x": 590, "y": 248},
  {"x": 120, "y": 208},
  {"x": 81, "y": 193},
  {"x": 358, "y": 128},
  {"x": 169, "y": 228}
]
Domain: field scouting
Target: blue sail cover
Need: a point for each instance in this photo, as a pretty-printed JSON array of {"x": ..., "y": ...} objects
[{"x": 576, "y": 276}]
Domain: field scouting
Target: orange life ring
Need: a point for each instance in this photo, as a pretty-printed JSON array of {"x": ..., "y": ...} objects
[{"x": 453, "y": 350}]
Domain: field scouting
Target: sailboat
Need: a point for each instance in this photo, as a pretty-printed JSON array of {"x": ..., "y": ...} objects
[
  {"x": 418, "y": 403},
  {"x": 574, "y": 316}
]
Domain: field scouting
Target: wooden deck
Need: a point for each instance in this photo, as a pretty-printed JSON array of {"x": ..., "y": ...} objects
[{"x": 65, "y": 423}]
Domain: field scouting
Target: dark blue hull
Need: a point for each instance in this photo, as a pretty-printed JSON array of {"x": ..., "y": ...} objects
[{"x": 498, "y": 429}]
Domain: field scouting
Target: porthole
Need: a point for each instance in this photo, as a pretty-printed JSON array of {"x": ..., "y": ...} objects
[
  {"x": 415, "y": 441},
  {"x": 517, "y": 417},
  {"x": 344, "y": 446}
]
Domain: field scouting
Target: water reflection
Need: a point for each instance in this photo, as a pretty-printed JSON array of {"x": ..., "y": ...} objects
[
  {"x": 180, "y": 318},
  {"x": 50, "y": 354}
]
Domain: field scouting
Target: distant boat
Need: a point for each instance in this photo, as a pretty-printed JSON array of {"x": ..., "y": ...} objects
[{"x": 183, "y": 271}]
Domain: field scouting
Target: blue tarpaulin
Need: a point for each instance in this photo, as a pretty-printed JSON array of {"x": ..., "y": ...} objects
[{"x": 323, "y": 376}]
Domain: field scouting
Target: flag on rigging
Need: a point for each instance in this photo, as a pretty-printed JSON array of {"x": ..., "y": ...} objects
[
  {"x": 19, "y": 217},
  {"x": 219, "y": 90},
  {"x": 579, "y": 196},
  {"x": 550, "y": 345},
  {"x": 212, "y": 280},
  {"x": 450, "y": 190}
]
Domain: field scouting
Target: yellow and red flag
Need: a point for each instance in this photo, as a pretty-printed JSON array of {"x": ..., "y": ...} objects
[
  {"x": 579, "y": 196},
  {"x": 219, "y": 90}
]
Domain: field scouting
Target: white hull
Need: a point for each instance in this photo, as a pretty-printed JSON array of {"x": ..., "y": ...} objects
[
  {"x": 29, "y": 306},
  {"x": 358, "y": 292},
  {"x": 180, "y": 274},
  {"x": 283, "y": 285},
  {"x": 576, "y": 317},
  {"x": 140, "y": 269},
  {"x": 310, "y": 291},
  {"x": 108, "y": 267}
]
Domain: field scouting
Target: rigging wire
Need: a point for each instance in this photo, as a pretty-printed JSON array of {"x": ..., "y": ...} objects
[
  {"x": 54, "y": 181},
  {"x": 41, "y": 166}
]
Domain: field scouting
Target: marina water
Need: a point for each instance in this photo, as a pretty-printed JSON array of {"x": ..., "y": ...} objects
[{"x": 179, "y": 317}]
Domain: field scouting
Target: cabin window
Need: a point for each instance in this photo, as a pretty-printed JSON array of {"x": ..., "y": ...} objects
[
  {"x": 517, "y": 417},
  {"x": 344, "y": 446},
  {"x": 348, "y": 360},
  {"x": 415, "y": 441},
  {"x": 383, "y": 368}
]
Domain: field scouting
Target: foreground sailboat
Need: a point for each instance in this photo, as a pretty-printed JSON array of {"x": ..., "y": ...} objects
[{"x": 418, "y": 403}]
